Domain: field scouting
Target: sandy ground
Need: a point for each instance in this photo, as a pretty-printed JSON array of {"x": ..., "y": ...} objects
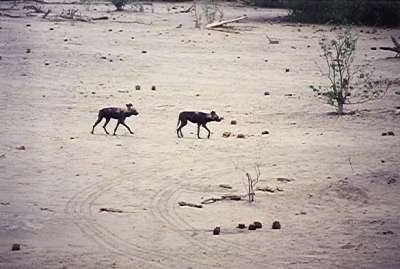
[{"x": 339, "y": 210}]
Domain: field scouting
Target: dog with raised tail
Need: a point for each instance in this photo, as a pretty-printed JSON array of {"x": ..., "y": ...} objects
[
  {"x": 117, "y": 113},
  {"x": 201, "y": 118}
]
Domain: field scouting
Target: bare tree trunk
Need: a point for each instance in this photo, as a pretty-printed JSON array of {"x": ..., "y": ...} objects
[{"x": 340, "y": 108}]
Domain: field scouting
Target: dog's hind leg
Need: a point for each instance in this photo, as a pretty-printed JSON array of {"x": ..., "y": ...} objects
[
  {"x": 97, "y": 122},
  {"x": 179, "y": 130},
  {"x": 105, "y": 124},
  {"x": 205, "y": 127}
]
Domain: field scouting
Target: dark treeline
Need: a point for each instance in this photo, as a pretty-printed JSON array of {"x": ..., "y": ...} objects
[{"x": 360, "y": 12}]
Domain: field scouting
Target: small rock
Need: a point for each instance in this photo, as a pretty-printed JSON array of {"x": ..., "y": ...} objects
[
  {"x": 197, "y": 94},
  {"x": 397, "y": 92},
  {"x": 216, "y": 231},
  {"x": 153, "y": 88},
  {"x": 21, "y": 148},
  {"x": 16, "y": 247},
  {"x": 266, "y": 60},
  {"x": 93, "y": 92},
  {"x": 110, "y": 30},
  {"x": 233, "y": 122},
  {"x": 384, "y": 134},
  {"x": 373, "y": 48},
  {"x": 241, "y": 226},
  {"x": 28, "y": 50},
  {"x": 225, "y": 186},
  {"x": 276, "y": 225},
  {"x": 266, "y": 93},
  {"x": 226, "y": 134},
  {"x": 258, "y": 225},
  {"x": 265, "y": 132},
  {"x": 65, "y": 39},
  {"x": 51, "y": 29},
  {"x": 252, "y": 227},
  {"x": 28, "y": 25},
  {"x": 103, "y": 57},
  {"x": 46, "y": 63},
  {"x": 390, "y": 133},
  {"x": 289, "y": 94},
  {"x": 287, "y": 70},
  {"x": 137, "y": 87},
  {"x": 241, "y": 136},
  {"x": 144, "y": 51}
]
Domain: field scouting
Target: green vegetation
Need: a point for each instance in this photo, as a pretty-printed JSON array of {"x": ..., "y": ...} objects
[
  {"x": 359, "y": 12},
  {"x": 346, "y": 81}
]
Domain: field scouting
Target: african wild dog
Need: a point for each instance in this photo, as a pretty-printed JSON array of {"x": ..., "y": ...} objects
[
  {"x": 200, "y": 118},
  {"x": 115, "y": 113}
]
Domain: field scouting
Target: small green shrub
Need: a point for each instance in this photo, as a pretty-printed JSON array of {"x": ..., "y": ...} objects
[{"x": 347, "y": 84}]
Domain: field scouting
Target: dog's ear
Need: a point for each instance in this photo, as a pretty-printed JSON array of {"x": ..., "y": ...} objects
[
  {"x": 129, "y": 105},
  {"x": 213, "y": 113}
]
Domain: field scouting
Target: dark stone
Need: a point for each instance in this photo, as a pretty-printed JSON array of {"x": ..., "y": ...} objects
[
  {"x": 252, "y": 227},
  {"x": 266, "y": 93},
  {"x": 390, "y": 133},
  {"x": 16, "y": 247},
  {"x": 241, "y": 226},
  {"x": 264, "y": 132},
  {"x": 233, "y": 122},
  {"x": 137, "y": 87},
  {"x": 258, "y": 225},
  {"x": 287, "y": 70},
  {"x": 216, "y": 231},
  {"x": 153, "y": 88},
  {"x": 276, "y": 225}
]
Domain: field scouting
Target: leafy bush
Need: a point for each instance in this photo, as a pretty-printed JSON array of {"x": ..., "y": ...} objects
[{"x": 348, "y": 84}]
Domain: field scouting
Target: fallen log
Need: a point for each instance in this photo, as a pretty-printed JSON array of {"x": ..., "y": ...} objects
[
  {"x": 189, "y": 204},
  {"x": 10, "y": 15},
  {"x": 100, "y": 18},
  {"x": 396, "y": 47},
  {"x": 221, "y": 23}
]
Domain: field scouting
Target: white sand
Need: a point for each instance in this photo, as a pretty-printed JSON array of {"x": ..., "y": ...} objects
[{"x": 339, "y": 211}]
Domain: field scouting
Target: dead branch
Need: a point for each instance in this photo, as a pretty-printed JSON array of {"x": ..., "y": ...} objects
[
  {"x": 220, "y": 23},
  {"x": 99, "y": 18},
  {"x": 9, "y": 15},
  {"x": 53, "y": 3},
  {"x": 189, "y": 204},
  {"x": 35, "y": 9},
  {"x": 271, "y": 41},
  {"x": 232, "y": 197},
  {"x": 396, "y": 47},
  {"x": 46, "y": 14}
]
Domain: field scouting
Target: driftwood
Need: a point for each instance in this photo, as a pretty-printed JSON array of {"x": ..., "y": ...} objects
[
  {"x": 396, "y": 47},
  {"x": 271, "y": 41},
  {"x": 189, "y": 204},
  {"x": 9, "y": 15},
  {"x": 100, "y": 18},
  {"x": 223, "y": 197},
  {"x": 221, "y": 23}
]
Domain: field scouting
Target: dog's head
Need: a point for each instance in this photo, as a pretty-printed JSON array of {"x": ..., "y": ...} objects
[
  {"x": 215, "y": 117},
  {"x": 131, "y": 110}
]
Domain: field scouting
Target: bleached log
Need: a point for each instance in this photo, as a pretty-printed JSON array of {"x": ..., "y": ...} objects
[{"x": 220, "y": 23}]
